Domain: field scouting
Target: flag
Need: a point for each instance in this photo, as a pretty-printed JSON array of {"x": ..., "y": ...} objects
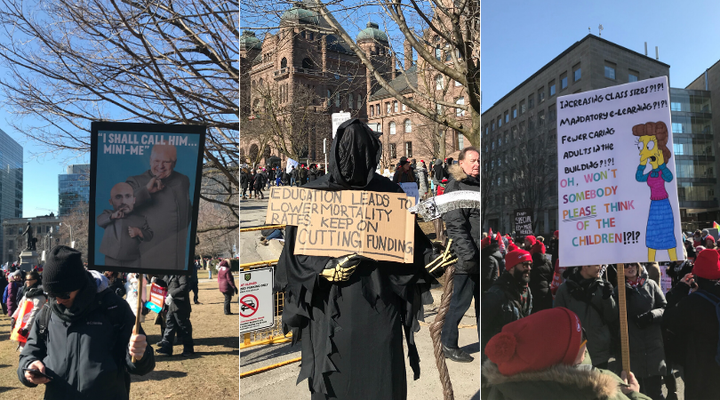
[
  {"x": 490, "y": 233},
  {"x": 715, "y": 225},
  {"x": 499, "y": 239}
]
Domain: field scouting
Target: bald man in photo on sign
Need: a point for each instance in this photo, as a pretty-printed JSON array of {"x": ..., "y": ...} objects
[
  {"x": 125, "y": 230},
  {"x": 163, "y": 196}
]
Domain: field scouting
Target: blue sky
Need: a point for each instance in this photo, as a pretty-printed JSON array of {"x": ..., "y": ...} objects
[{"x": 519, "y": 37}]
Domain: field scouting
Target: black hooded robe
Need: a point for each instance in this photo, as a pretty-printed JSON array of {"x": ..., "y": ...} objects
[{"x": 351, "y": 332}]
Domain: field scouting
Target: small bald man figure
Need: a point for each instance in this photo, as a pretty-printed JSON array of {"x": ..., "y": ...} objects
[{"x": 124, "y": 230}]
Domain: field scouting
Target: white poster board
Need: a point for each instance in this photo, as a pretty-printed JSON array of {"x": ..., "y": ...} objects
[
  {"x": 290, "y": 164},
  {"x": 606, "y": 146},
  {"x": 257, "y": 309},
  {"x": 337, "y": 120},
  {"x": 411, "y": 189}
]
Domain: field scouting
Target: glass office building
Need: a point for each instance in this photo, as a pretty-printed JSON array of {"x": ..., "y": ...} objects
[
  {"x": 73, "y": 188},
  {"x": 11, "y": 181}
]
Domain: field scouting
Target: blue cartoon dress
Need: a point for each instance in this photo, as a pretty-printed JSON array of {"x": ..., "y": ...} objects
[{"x": 660, "y": 233}]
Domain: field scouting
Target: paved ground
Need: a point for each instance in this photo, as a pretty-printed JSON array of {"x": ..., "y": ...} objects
[{"x": 281, "y": 382}]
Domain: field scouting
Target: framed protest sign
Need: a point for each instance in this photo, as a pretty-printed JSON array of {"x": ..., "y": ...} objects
[
  {"x": 144, "y": 195},
  {"x": 523, "y": 221},
  {"x": 617, "y": 183},
  {"x": 372, "y": 224}
]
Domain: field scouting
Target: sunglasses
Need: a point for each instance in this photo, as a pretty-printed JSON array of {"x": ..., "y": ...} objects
[{"x": 61, "y": 296}]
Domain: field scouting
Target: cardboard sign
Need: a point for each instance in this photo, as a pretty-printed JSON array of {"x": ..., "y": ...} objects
[
  {"x": 523, "y": 221},
  {"x": 411, "y": 189},
  {"x": 144, "y": 196},
  {"x": 257, "y": 309},
  {"x": 617, "y": 183},
  {"x": 334, "y": 224},
  {"x": 337, "y": 120},
  {"x": 157, "y": 298}
]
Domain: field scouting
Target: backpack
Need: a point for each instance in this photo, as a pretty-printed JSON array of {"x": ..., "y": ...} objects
[
  {"x": 716, "y": 302},
  {"x": 111, "y": 310}
]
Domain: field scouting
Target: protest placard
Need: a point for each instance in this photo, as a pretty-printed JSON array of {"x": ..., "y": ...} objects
[
  {"x": 157, "y": 298},
  {"x": 144, "y": 196},
  {"x": 523, "y": 221},
  {"x": 333, "y": 224},
  {"x": 617, "y": 186},
  {"x": 411, "y": 189}
]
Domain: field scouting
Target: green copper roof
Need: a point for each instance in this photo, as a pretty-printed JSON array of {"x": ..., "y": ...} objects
[
  {"x": 248, "y": 41},
  {"x": 372, "y": 32},
  {"x": 300, "y": 14}
]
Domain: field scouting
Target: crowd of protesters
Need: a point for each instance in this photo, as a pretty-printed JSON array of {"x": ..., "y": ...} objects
[
  {"x": 254, "y": 180},
  {"x": 671, "y": 332}
]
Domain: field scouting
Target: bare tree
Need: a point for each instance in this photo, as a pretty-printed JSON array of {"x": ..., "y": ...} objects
[
  {"x": 74, "y": 228},
  {"x": 151, "y": 61}
]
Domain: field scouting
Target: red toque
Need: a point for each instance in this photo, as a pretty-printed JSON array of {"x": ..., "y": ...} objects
[
  {"x": 536, "y": 342},
  {"x": 531, "y": 239},
  {"x": 515, "y": 257},
  {"x": 557, "y": 234},
  {"x": 710, "y": 238},
  {"x": 485, "y": 243},
  {"x": 707, "y": 264},
  {"x": 538, "y": 247},
  {"x": 512, "y": 246}
]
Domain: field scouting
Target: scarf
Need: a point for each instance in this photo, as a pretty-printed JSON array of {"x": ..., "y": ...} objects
[
  {"x": 82, "y": 304},
  {"x": 638, "y": 281}
]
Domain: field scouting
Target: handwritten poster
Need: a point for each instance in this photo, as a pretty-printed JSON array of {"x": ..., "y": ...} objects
[
  {"x": 523, "y": 221},
  {"x": 375, "y": 225},
  {"x": 617, "y": 184}
]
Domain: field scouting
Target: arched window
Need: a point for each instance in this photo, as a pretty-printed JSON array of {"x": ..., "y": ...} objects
[
  {"x": 307, "y": 63},
  {"x": 392, "y": 128},
  {"x": 283, "y": 63},
  {"x": 351, "y": 103},
  {"x": 408, "y": 126},
  {"x": 439, "y": 82},
  {"x": 372, "y": 111}
]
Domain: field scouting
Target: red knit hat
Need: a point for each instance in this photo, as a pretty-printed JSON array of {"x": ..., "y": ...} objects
[
  {"x": 556, "y": 234},
  {"x": 485, "y": 243},
  {"x": 536, "y": 342},
  {"x": 710, "y": 238},
  {"x": 707, "y": 264},
  {"x": 531, "y": 239},
  {"x": 512, "y": 246},
  {"x": 538, "y": 247},
  {"x": 516, "y": 257}
]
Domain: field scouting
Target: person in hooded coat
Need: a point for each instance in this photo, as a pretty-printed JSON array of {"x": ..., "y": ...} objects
[
  {"x": 351, "y": 331},
  {"x": 491, "y": 263},
  {"x": 541, "y": 275},
  {"x": 259, "y": 183}
]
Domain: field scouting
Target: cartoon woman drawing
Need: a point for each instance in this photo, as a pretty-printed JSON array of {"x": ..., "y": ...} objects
[{"x": 652, "y": 143}]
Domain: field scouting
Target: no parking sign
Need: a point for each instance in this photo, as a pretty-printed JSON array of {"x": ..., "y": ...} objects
[{"x": 256, "y": 300}]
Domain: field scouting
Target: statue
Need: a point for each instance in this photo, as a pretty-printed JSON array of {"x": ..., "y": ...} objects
[{"x": 30, "y": 242}]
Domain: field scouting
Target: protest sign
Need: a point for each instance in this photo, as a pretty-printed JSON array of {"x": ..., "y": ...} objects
[
  {"x": 523, "y": 221},
  {"x": 144, "y": 196},
  {"x": 411, "y": 189},
  {"x": 617, "y": 186},
  {"x": 290, "y": 164},
  {"x": 257, "y": 310},
  {"x": 157, "y": 298},
  {"x": 337, "y": 120},
  {"x": 333, "y": 224}
]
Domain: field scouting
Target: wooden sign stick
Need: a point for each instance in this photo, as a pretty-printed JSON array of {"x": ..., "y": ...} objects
[
  {"x": 138, "y": 309},
  {"x": 622, "y": 308}
]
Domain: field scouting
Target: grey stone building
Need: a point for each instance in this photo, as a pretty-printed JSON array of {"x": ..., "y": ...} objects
[
  {"x": 15, "y": 242},
  {"x": 518, "y": 139}
]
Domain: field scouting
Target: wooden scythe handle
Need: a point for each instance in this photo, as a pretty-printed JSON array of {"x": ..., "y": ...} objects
[{"x": 622, "y": 308}]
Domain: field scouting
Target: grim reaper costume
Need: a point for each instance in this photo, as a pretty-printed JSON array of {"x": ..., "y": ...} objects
[{"x": 351, "y": 331}]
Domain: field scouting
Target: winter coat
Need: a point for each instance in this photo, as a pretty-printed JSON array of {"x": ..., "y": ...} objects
[
  {"x": 87, "y": 356},
  {"x": 677, "y": 271},
  {"x": 501, "y": 305},
  {"x": 541, "y": 275},
  {"x": 463, "y": 225},
  {"x": 647, "y": 356},
  {"x": 12, "y": 301},
  {"x": 244, "y": 179},
  {"x": 303, "y": 175},
  {"x": 438, "y": 171},
  {"x": 691, "y": 325},
  {"x": 491, "y": 263},
  {"x": 179, "y": 289},
  {"x": 559, "y": 382},
  {"x": 584, "y": 297},
  {"x": 38, "y": 298},
  {"x": 312, "y": 174},
  {"x": 258, "y": 181},
  {"x": 226, "y": 281},
  {"x": 402, "y": 176}
]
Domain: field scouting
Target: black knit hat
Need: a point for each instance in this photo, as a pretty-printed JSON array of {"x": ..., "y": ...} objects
[{"x": 63, "y": 271}]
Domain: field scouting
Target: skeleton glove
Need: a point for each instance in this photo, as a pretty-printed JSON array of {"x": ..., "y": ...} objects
[
  {"x": 339, "y": 269},
  {"x": 443, "y": 258}
]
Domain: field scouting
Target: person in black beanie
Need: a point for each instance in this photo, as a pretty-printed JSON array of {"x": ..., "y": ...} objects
[{"x": 91, "y": 327}]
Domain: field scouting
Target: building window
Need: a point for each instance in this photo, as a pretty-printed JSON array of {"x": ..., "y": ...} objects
[
  {"x": 404, "y": 107},
  {"x": 393, "y": 150},
  {"x": 283, "y": 63},
  {"x": 329, "y": 95},
  {"x": 609, "y": 70},
  {"x": 541, "y": 118},
  {"x": 551, "y": 85},
  {"x": 577, "y": 73},
  {"x": 507, "y": 117},
  {"x": 372, "y": 111},
  {"x": 563, "y": 81},
  {"x": 439, "y": 82},
  {"x": 308, "y": 63},
  {"x": 531, "y": 102},
  {"x": 677, "y": 127},
  {"x": 514, "y": 110},
  {"x": 392, "y": 128},
  {"x": 523, "y": 107},
  {"x": 458, "y": 83},
  {"x": 675, "y": 106},
  {"x": 461, "y": 141},
  {"x": 460, "y": 112},
  {"x": 311, "y": 35},
  {"x": 408, "y": 149},
  {"x": 351, "y": 103},
  {"x": 438, "y": 54},
  {"x": 387, "y": 108},
  {"x": 552, "y": 113},
  {"x": 395, "y": 106},
  {"x": 633, "y": 76},
  {"x": 492, "y": 126},
  {"x": 408, "y": 126},
  {"x": 359, "y": 102},
  {"x": 500, "y": 122},
  {"x": 337, "y": 99},
  {"x": 541, "y": 95},
  {"x": 439, "y": 109}
]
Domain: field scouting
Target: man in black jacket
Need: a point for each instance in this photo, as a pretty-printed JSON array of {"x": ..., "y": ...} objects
[
  {"x": 178, "y": 316},
  {"x": 463, "y": 227},
  {"x": 86, "y": 343},
  {"x": 491, "y": 263}
]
